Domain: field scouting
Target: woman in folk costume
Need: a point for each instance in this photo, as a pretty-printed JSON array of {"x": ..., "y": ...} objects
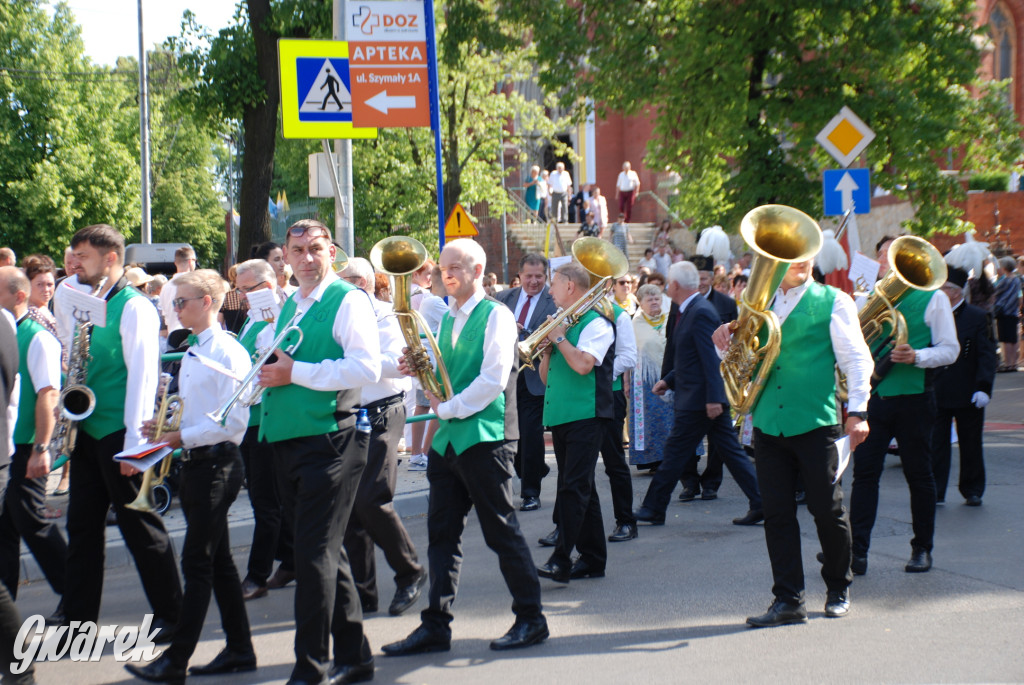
[{"x": 650, "y": 417}]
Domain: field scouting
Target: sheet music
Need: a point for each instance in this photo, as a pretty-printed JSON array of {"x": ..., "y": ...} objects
[
  {"x": 863, "y": 271},
  {"x": 85, "y": 307},
  {"x": 843, "y": 445},
  {"x": 144, "y": 456},
  {"x": 263, "y": 305}
]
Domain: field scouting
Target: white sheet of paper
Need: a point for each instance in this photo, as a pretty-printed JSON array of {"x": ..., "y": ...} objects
[
  {"x": 85, "y": 307},
  {"x": 216, "y": 366},
  {"x": 843, "y": 445},
  {"x": 556, "y": 262},
  {"x": 863, "y": 271},
  {"x": 263, "y": 305},
  {"x": 143, "y": 463}
]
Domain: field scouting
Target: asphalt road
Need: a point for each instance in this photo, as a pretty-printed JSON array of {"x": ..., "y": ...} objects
[{"x": 673, "y": 604}]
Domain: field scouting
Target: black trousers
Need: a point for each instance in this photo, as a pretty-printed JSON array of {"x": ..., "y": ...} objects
[
  {"x": 96, "y": 484},
  {"x": 374, "y": 519},
  {"x": 711, "y": 479},
  {"x": 577, "y": 507},
  {"x": 529, "y": 461},
  {"x": 614, "y": 457},
  {"x": 10, "y": 619},
  {"x": 479, "y": 477},
  {"x": 688, "y": 428},
  {"x": 323, "y": 473},
  {"x": 970, "y": 422},
  {"x": 208, "y": 488},
  {"x": 780, "y": 461},
  {"x": 910, "y": 419},
  {"x": 272, "y": 525},
  {"x": 23, "y": 517}
]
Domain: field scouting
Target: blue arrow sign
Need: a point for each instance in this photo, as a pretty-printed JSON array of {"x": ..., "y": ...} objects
[{"x": 843, "y": 188}]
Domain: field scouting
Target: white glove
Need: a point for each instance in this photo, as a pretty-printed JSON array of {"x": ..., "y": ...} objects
[{"x": 980, "y": 400}]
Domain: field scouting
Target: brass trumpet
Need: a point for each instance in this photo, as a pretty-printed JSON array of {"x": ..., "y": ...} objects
[
  {"x": 169, "y": 412},
  {"x": 605, "y": 263},
  {"x": 400, "y": 256}
]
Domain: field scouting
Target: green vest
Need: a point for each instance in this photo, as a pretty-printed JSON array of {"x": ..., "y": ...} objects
[
  {"x": 292, "y": 411},
  {"x": 799, "y": 394},
  {"x": 463, "y": 362},
  {"x": 572, "y": 397},
  {"x": 107, "y": 375},
  {"x": 248, "y": 341},
  {"x": 25, "y": 428},
  {"x": 907, "y": 379},
  {"x": 617, "y": 383}
]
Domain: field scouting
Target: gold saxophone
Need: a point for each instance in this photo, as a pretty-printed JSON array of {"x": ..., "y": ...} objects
[
  {"x": 400, "y": 256},
  {"x": 779, "y": 236}
]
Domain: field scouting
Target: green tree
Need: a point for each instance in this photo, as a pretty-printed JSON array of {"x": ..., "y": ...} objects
[{"x": 738, "y": 90}]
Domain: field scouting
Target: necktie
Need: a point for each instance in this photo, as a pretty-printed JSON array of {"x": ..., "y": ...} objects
[
  {"x": 524, "y": 311},
  {"x": 192, "y": 339}
]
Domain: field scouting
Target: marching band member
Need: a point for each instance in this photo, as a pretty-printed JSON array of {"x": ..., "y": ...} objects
[
  {"x": 123, "y": 372},
  {"x": 23, "y": 511},
  {"x": 577, "y": 367},
  {"x": 470, "y": 464},
  {"x": 309, "y": 418},
  {"x": 210, "y": 480}
]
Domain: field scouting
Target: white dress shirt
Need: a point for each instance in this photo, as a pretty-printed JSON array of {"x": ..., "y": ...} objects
[
  {"x": 391, "y": 343},
  {"x": 534, "y": 299},
  {"x": 559, "y": 181},
  {"x": 12, "y": 404},
  {"x": 852, "y": 354},
  {"x": 62, "y": 313},
  {"x": 43, "y": 361},
  {"x": 500, "y": 339},
  {"x": 204, "y": 390},
  {"x": 945, "y": 343},
  {"x": 167, "y": 295},
  {"x": 625, "y": 344},
  {"x": 595, "y": 339},
  {"x": 355, "y": 329},
  {"x": 140, "y": 347},
  {"x": 627, "y": 181}
]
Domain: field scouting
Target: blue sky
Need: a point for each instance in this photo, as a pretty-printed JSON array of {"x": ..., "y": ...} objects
[{"x": 110, "y": 28}]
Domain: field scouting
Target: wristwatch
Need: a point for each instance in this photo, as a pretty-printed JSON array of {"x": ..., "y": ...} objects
[
  {"x": 39, "y": 448},
  {"x": 862, "y": 415},
  {"x": 559, "y": 339}
]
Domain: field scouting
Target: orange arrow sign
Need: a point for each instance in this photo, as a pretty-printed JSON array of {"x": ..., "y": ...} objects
[{"x": 459, "y": 225}]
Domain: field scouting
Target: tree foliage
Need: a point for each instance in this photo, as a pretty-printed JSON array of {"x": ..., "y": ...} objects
[{"x": 738, "y": 90}]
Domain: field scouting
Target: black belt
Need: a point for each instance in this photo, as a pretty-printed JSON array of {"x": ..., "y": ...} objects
[
  {"x": 377, "y": 408},
  {"x": 221, "y": 449}
]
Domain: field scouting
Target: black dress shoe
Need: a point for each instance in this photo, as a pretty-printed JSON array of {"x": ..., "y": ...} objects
[
  {"x": 165, "y": 632},
  {"x": 350, "y": 673},
  {"x": 550, "y": 540},
  {"x": 159, "y": 671},
  {"x": 522, "y": 634},
  {"x": 407, "y": 595},
  {"x": 779, "y": 614},
  {"x": 837, "y": 603},
  {"x": 253, "y": 590},
  {"x": 627, "y": 531},
  {"x": 420, "y": 641},
  {"x": 226, "y": 662},
  {"x": 920, "y": 561},
  {"x": 752, "y": 517},
  {"x": 709, "y": 494},
  {"x": 859, "y": 564},
  {"x": 648, "y": 516},
  {"x": 581, "y": 569},
  {"x": 688, "y": 495},
  {"x": 530, "y": 503},
  {"x": 554, "y": 571},
  {"x": 280, "y": 578},
  {"x": 973, "y": 501}
]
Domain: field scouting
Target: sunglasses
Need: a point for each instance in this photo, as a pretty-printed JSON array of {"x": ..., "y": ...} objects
[
  {"x": 312, "y": 231},
  {"x": 623, "y": 282},
  {"x": 179, "y": 302},
  {"x": 250, "y": 289}
]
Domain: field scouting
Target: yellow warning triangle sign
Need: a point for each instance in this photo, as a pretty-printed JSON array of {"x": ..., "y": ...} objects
[{"x": 459, "y": 225}]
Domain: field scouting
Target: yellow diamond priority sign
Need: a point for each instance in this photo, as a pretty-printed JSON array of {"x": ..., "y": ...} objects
[{"x": 845, "y": 136}]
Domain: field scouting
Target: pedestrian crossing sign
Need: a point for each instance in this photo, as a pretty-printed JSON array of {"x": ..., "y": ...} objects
[{"x": 316, "y": 97}]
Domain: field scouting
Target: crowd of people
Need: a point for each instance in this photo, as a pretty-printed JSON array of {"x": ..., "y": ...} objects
[{"x": 633, "y": 379}]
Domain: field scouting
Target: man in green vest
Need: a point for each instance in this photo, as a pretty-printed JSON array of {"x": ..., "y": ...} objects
[
  {"x": 23, "y": 516},
  {"x": 903, "y": 407},
  {"x": 122, "y": 371},
  {"x": 272, "y": 524},
  {"x": 309, "y": 418},
  {"x": 577, "y": 367},
  {"x": 796, "y": 428},
  {"x": 470, "y": 462}
]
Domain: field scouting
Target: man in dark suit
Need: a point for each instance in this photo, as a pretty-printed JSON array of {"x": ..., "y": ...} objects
[
  {"x": 961, "y": 392},
  {"x": 701, "y": 406},
  {"x": 531, "y": 304}
]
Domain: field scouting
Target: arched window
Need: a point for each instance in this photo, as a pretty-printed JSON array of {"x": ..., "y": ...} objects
[{"x": 1004, "y": 44}]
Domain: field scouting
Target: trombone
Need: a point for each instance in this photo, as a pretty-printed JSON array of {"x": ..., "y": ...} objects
[
  {"x": 169, "y": 413},
  {"x": 249, "y": 397}
]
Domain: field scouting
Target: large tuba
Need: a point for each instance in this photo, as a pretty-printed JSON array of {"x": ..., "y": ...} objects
[
  {"x": 399, "y": 256},
  {"x": 914, "y": 264},
  {"x": 780, "y": 236},
  {"x": 604, "y": 262}
]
